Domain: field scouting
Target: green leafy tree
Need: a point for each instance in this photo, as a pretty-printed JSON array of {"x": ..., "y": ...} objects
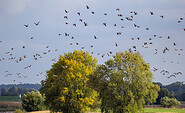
[
  {"x": 163, "y": 93},
  {"x": 180, "y": 96},
  {"x": 33, "y": 101},
  {"x": 66, "y": 87},
  {"x": 169, "y": 102},
  {"x": 124, "y": 83},
  {"x": 4, "y": 92}
]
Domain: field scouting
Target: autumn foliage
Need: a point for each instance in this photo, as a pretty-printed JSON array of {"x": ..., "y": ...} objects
[
  {"x": 66, "y": 87},
  {"x": 124, "y": 83}
]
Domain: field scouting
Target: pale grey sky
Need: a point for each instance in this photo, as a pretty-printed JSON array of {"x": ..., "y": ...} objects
[{"x": 13, "y": 34}]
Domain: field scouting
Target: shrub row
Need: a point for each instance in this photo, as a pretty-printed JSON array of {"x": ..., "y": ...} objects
[{"x": 169, "y": 102}]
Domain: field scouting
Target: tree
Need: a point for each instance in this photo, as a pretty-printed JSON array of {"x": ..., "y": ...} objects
[
  {"x": 180, "y": 96},
  {"x": 4, "y": 92},
  {"x": 13, "y": 91},
  {"x": 159, "y": 84},
  {"x": 33, "y": 101},
  {"x": 163, "y": 93},
  {"x": 66, "y": 87},
  {"x": 169, "y": 102},
  {"x": 124, "y": 83}
]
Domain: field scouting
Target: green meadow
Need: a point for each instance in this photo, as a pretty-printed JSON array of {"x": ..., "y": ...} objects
[
  {"x": 156, "y": 110},
  {"x": 159, "y": 110},
  {"x": 10, "y": 99}
]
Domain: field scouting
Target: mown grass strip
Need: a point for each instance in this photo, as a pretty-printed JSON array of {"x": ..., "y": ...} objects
[{"x": 154, "y": 110}]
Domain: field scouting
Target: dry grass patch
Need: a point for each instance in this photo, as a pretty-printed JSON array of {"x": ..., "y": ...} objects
[{"x": 40, "y": 111}]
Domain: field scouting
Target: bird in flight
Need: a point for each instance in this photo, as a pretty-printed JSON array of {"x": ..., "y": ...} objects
[
  {"x": 37, "y": 23},
  {"x": 171, "y": 76},
  {"x": 66, "y": 11},
  {"x": 87, "y": 6},
  {"x": 104, "y": 24},
  {"x": 116, "y": 44},
  {"x": 85, "y": 24},
  {"x": 65, "y": 17},
  {"x": 151, "y": 13},
  {"x": 78, "y": 13},
  {"x": 117, "y": 9},
  {"x": 95, "y": 37},
  {"x": 26, "y": 25},
  {"x": 162, "y": 16}
]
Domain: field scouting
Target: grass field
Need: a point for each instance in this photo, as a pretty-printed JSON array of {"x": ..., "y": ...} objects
[
  {"x": 10, "y": 99},
  {"x": 164, "y": 110},
  {"x": 147, "y": 110}
]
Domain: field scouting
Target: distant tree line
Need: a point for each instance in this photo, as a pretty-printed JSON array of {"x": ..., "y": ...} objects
[
  {"x": 174, "y": 90},
  {"x": 15, "y": 91},
  {"x": 24, "y": 86}
]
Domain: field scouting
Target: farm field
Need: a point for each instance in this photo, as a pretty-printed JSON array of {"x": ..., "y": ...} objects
[
  {"x": 10, "y": 106},
  {"x": 10, "y": 99}
]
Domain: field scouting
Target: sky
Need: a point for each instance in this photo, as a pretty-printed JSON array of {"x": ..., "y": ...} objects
[{"x": 28, "y": 52}]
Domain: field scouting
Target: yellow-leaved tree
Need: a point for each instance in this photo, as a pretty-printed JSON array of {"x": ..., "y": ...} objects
[{"x": 65, "y": 88}]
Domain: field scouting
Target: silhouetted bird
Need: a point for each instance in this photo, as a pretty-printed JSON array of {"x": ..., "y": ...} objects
[
  {"x": 66, "y": 11},
  {"x": 135, "y": 13},
  {"x": 116, "y": 44},
  {"x": 87, "y": 6},
  {"x": 26, "y": 25},
  {"x": 117, "y": 9},
  {"x": 85, "y": 24},
  {"x": 151, "y": 13},
  {"x": 95, "y": 37},
  {"x": 78, "y": 13},
  {"x": 65, "y": 17},
  {"x": 118, "y": 33},
  {"x": 80, "y": 20},
  {"x": 37, "y": 23},
  {"x": 171, "y": 76}
]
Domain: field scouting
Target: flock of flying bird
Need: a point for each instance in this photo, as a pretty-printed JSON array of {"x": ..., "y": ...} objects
[
  {"x": 145, "y": 44},
  {"x": 129, "y": 18}
]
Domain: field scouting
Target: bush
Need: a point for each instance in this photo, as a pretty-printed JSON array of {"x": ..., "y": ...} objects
[
  {"x": 19, "y": 111},
  {"x": 169, "y": 102},
  {"x": 33, "y": 101}
]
